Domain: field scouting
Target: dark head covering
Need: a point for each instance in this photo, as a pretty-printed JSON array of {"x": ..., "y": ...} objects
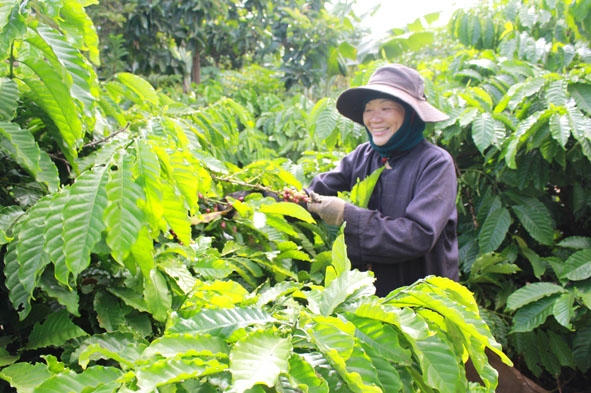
[{"x": 395, "y": 80}]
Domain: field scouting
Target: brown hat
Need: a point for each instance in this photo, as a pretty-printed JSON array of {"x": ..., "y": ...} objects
[{"x": 395, "y": 80}]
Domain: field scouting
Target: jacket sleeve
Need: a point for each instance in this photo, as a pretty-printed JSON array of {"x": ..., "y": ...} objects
[{"x": 373, "y": 237}]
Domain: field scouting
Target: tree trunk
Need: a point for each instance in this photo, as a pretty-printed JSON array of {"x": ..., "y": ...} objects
[{"x": 196, "y": 67}]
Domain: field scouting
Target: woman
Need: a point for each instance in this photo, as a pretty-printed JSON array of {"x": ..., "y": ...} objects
[{"x": 408, "y": 230}]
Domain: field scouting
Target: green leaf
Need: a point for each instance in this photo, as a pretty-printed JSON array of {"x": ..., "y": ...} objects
[
  {"x": 581, "y": 92},
  {"x": 54, "y": 331},
  {"x": 12, "y": 25},
  {"x": 174, "y": 205},
  {"x": 494, "y": 230},
  {"x": 219, "y": 322},
  {"x": 17, "y": 294},
  {"x": 555, "y": 93},
  {"x": 8, "y": 98},
  {"x": 83, "y": 218},
  {"x": 323, "y": 118},
  {"x": 303, "y": 375},
  {"x": 536, "y": 219},
  {"x": 561, "y": 349},
  {"x": 581, "y": 125},
  {"x": 513, "y": 143},
  {"x": 123, "y": 217},
  {"x": 51, "y": 92},
  {"x": 288, "y": 209},
  {"x": 88, "y": 380},
  {"x": 62, "y": 54},
  {"x": 157, "y": 295},
  {"x": 23, "y": 148},
  {"x": 25, "y": 377},
  {"x": 532, "y": 293},
  {"x": 172, "y": 345},
  {"x": 338, "y": 291},
  {"x": 382, "y": 337},
  {"x": 110, "y": 313},
  {"x": 525, "y": 89},
  {"x": 576, "y": 242},
  {"x": 65, "y": 296},
  {"x": 6, "y": 358},
  {"x": 259, "y": 358},
  {"x": 340, "y": 263},
  {"x": 359, "y": 372},
  {"x": 534, "y": 314},
  {"x": 8, "y": 216},
  {"x": 150, "y": 178},
  {"x": 362, "y": 190},
  {"x": 32, "y": 256},
  {"x": 138, "y": 90},
  {"x": 171, "y": 370},
  {"x": 560, "y": 129},
  {"x": 483, "y": 131},
  {"x": 335, "y": 339},
  {"x": 578, "y": 266},
  {"x": 564, "y": 310},
  {"x": 125, "y": 348},
  {"x": 582, "y": 348},
  {"x": 439, "y": 364},
  {"x": 73, "y": 14}
]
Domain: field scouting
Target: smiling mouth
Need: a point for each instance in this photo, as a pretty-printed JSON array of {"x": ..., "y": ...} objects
[{"x": 380, "y": 131}]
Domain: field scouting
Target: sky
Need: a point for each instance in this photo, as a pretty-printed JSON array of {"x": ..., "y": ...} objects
[{"x": 398, "y": 13}]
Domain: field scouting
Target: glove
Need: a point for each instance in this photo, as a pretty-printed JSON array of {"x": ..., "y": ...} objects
[{"x": 330, "y": 208}]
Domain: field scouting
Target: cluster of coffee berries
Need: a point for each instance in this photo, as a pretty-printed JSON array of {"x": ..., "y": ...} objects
[{"x": 293, "y": 195}]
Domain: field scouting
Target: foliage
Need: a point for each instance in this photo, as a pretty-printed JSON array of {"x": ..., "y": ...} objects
[
  {"x": 519, "y": 130},
  {"x": 171, "y": 37},
  {"x": 131, "y": 263}
]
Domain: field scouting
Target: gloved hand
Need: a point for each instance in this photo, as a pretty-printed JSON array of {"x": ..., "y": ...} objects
[{"x": 330, "y": 208}]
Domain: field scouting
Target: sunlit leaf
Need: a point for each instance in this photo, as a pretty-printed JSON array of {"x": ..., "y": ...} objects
[{"x": 259, "y": 358}]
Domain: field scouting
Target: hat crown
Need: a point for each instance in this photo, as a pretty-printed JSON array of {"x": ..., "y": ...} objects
[{"x": 400, "y": 77}]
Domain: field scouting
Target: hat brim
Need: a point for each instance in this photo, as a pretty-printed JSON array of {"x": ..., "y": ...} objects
[{"x": 351, "y": 103}]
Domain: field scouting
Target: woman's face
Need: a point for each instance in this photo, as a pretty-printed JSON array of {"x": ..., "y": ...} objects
[{"x": 383, "y": 117}]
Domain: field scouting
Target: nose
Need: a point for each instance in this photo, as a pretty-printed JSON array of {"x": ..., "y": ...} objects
[{"x": 372, "y": 117}]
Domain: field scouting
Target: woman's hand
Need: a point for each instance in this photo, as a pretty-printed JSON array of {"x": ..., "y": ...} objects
[{"x": 330, "y": 208}]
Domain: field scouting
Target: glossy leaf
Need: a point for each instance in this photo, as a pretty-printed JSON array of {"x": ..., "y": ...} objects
[
  {"x": 582, "y": 348},
  {"x": 288, "y": 209},
  {"x": 578, "y": 266},
  {"x": 259, "y": 358},
  {"x": 8, "y": 98},
  {"x": 363, "y": 189},
  {"x": 55, "y": 330},
  {"x": 534, "y": 314},
  {"x": 494, "y": 230},
  {"x": 32, "y": 257},
  {"x": 532, "y": 293},
  {"x": 219, "y": 322},
  {"x": 23, "y": 148},
  {"x": 52, "y": 94},
  {"x": 483, "y": 131},
  {"x": 536, "y": 219},
  {"x": 123, "y": 217},
  {"x": 83, "y": 218}
]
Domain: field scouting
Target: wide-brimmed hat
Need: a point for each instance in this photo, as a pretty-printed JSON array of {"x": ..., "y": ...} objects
[{"x": 395, "y": 80}]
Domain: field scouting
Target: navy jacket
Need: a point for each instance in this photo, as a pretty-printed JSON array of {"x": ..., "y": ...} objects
[{"x": 408, "y": 230}]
